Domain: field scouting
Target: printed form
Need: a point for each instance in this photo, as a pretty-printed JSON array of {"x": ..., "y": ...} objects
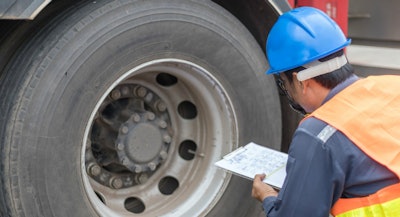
[{"x": 255, "y": 159}]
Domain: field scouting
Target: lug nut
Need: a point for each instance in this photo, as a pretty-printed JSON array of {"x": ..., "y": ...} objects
[
  {"x": 95, "y": 170},
  {"x": 124, "y": 161},
  {"x": 115, "y": 94},
  {"x": 163, "y": 155},
  {"x": 116, "y": 183},
  {"x": 167, "y": 139},
  {"x": 152, "y": 166},
  {"x": 162, "y": 124},
  {"x": 138, "y": 169},
  {"x": 120, "y": 146},
  {"x": 141, "y": 178},
  {"x": 124, "y": 130},
  {"x": 150, "y": 116},
  {"x": 140, "y": 91},
  {"x": 148, "y": 97},
  {"x": 136, "y": 117},
  {"x": 161, "y": 106}
]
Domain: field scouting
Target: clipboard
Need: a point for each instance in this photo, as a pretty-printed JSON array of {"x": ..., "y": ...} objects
[{"x": 252, "y": 159}]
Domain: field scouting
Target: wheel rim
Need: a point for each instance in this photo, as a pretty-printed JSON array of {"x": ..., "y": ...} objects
[{"x": 153, "y": 138}]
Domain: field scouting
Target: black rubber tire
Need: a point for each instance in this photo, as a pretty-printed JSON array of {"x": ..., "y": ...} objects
[{"x": 50, "y": 89}]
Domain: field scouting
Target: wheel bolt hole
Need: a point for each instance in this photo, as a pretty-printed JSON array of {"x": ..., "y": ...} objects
[
  {"x": 187, "y": 149},
  {"x": 187, "y": 110},
  {"x": 100, "y": 197},
  {"x": 165, "y": 79},
  {"x": 134, "y": 205},
  {"x": 168, "y": 185}
]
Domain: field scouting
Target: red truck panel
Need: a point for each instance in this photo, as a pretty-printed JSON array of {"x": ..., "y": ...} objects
[{"x": 336, "y": 9}]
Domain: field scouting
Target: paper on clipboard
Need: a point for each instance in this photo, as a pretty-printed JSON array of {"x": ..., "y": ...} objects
[{"x": 254, "y": 159}]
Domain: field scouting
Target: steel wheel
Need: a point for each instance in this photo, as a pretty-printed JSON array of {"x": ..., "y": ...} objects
[{"x": 144, "y": 148}]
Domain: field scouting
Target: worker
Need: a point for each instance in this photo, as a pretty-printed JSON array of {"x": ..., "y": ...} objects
[{"x": 344, "y": 158}]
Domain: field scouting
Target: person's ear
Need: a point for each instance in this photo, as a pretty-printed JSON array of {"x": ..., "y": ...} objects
[{"x": 303, "y": 84}]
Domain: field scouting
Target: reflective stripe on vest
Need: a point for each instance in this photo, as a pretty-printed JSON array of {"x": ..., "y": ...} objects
[
  {"x": 384, "y": 203},
  {"x": 367, "y": 112}
]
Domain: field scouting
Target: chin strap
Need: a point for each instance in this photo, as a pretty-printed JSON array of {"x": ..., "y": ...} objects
[{"x": 297, "y": 108}]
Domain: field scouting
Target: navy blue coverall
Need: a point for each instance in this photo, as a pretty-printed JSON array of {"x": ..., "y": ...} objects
[{"x": 323, "y": 166}]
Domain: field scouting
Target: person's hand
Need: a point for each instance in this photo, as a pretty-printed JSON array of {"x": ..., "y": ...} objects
[{"x": 261, "y": 190}]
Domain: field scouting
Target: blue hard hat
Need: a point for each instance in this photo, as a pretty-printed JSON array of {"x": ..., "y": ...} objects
[{"x": 301, "y": 36}]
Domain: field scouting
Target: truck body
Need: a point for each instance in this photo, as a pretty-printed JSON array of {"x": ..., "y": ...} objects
[{"x": 121, "y": 107}]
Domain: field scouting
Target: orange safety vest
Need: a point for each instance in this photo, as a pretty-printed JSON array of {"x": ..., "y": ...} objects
[{"x": 367, "y": 112}]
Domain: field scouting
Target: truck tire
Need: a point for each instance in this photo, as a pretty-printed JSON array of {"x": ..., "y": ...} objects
[{"x": 121, "y": 108}]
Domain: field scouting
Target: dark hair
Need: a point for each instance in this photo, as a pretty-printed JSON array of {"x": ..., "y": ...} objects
[{"x": 328, "y": 80}]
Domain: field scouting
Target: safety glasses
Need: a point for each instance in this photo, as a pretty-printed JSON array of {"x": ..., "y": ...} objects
[
  {"x": 281, "y": 85},
  {"x": 282, "y": 89}
]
